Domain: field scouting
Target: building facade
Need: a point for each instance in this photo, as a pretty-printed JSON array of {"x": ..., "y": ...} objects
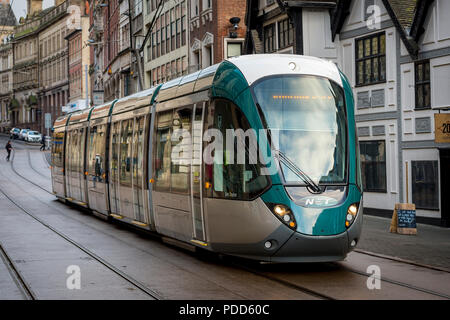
[
  {"x": 24, "y": 105},
  {"x": 216, "y": 31},
  {"x": 78, "y": 67},
  {"x": 137, "y": 38},
  {"x": 111, "y": 67},
  {"x": 166, "y": 51},
  {"x": 53, "y": 63},
  {"x": 7, "y": 23},
  {"x": 7, "y": 20},
  {"x": 6, "y": 85},
  {"x": 291, "y": 27},
  {"x": 96, "y": 32},
  {"x": 397, "y": 57}
]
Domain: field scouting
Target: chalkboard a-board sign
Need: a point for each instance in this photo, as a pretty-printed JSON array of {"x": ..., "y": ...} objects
[{"x": 404, "y": 219}]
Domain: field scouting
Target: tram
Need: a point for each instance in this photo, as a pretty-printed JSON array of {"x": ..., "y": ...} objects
[{"x": 255, "y": 157}]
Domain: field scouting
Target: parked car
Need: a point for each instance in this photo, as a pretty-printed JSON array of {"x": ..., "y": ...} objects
[
  {"x": 33, "y": 136},
  {"x": 22, "y": 133},
  {"x": 14, "y": 133}
]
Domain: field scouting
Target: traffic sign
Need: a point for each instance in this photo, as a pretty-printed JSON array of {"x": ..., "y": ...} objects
[{"x": 48, "y": 120}]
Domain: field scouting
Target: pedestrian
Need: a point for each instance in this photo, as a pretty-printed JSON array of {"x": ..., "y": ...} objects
[
  {"x": 8, "y": 149},
  {"x": 42, "y": 144}
]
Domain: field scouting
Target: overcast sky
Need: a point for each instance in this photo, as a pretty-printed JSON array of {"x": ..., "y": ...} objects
[{"x": 20, "y": 7}]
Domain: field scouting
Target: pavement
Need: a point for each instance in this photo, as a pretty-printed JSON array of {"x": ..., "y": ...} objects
[{"x": 430, "y": 247}]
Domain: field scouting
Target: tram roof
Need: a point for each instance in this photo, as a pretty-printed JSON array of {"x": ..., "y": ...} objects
[
  {"x": 187, "y": 84},
  {"x": 103, "y": 110},
  {"x": 80, "y": 116},
  {"x": 258, "y": 66},
  {"x": 61, "y": 121},
  {"x": 252, "y": 67},
  {"x": 139, "y": 99}
]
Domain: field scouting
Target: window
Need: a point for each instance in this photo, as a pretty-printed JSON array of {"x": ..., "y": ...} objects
[
  {"x": 125, "y": 152},
  {"x": 229, "y": 178},
  {"x": 269, "y": 38},
  {"x": 425, "y": 184},
  {"x": 373, "y": 165},
  {"x": 179, "y": 171},
  {"x": 371, "y": 59},
  {"x": 57, "y": 149},
  {"x": 290, "y": 107},
  {"x": 96, "y": 156},
  {"x": 285, "y": 34},
  {"x": 234, "y": 49},
  {"x": 422, "y": 87},
  {"x": 162, "y": 162}
]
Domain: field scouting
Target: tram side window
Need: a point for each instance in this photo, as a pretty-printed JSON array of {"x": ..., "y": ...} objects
[
  {"x": 180, "y": 164},
  {"x": 230, "y": 179},
  {"x": 139, "y": 143},
  {"x": 125, "y": 151},
  {"x": 73, "y": 155},
  {"x": 57, "y": 149},
  {"x": 162, "y": 162},
  {"x": 96, "y": 156},
  {"x": 114, "y": 150}
]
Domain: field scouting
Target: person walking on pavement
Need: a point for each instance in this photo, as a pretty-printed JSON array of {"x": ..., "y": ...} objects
[
  {"x": 42, "y": 144},
  {"x": 8, "y": 149}
]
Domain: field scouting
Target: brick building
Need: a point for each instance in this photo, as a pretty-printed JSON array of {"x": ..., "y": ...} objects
[
  {"x": 166, "y": 51},
  {"x": 216, "y": 31}
]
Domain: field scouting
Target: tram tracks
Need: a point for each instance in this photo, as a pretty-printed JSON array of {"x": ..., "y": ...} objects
[
  {"x": 395, "y": 282},
  {"x": 153, "y": 294},
  {"x": 17, "y": 277},
  {"x": 270, "y": 276}
]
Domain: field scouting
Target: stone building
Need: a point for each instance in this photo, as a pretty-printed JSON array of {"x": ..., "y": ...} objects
[
  {"x": 53, "y": 78},
  {"x": 7, "y": 23},
  {"x": 6, "y": 85},
  {"x": 24, "y": 104},
  {"x": 166, "y": 51},
  {"x": 78, "y": 66},
  {"x": 7, "y": 20},
  {"x": 216, "y": 31}
]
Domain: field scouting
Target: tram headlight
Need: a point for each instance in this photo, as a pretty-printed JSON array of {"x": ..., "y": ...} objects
[
  {"x": 285, "y": 215},
  {"x": 351, "y": 214}
]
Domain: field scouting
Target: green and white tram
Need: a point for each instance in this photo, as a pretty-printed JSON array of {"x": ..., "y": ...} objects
[{"x": 256, "y": 156}]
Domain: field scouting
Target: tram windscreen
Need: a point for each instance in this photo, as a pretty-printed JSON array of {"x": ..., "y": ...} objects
[{"x": 307, "y": 122}]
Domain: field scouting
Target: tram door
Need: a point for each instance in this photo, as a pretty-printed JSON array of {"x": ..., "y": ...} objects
[{"x": 196, "y": 172}]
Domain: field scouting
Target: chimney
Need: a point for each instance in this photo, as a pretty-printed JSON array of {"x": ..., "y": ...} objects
[{"x": 34, "y": 6}]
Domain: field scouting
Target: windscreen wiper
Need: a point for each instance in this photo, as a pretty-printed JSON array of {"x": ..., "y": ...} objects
[{"x": 297, "y": 171}]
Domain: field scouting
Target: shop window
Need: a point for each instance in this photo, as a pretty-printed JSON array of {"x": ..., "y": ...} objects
[
  {"x": 425, "y": 184},
  {"x": 373, "y": 165}
]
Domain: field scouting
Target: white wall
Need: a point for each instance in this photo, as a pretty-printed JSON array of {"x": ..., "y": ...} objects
[{"x": 317, "y": 34}]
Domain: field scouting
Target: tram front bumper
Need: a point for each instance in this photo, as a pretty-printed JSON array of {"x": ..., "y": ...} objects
[{"x": 307, "y": 248}]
